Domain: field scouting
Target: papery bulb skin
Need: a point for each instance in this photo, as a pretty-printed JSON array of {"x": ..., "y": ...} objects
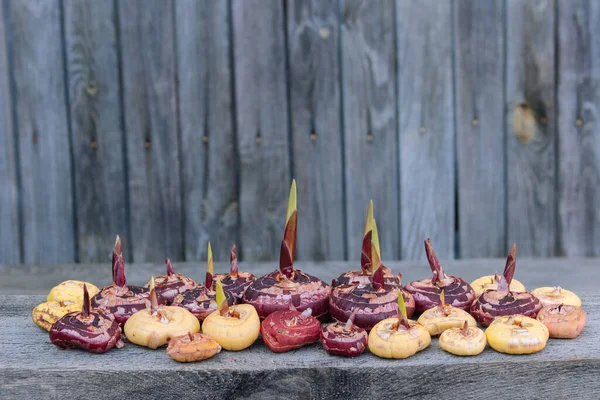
[
  {"x": 119, "y": 299},
  {"x": 279, "y": 290},
  {"x": 90, "y": 329},
  {"x": 274, "y": 292},
  {"x": 372, "y": 305},
  {"x": 71, "y": 333},
  {"x": 157, "y": 325},
  {"x": 46, "y": 314},
  {"x": 372, "y": 302},
  {"x": 398, "y": 337},
  {"x": 490, "y": 282},
  {"x": 235, "y": 282},
  {"x": 71, "y": 290},
  {"x": 390, "y": 339},
  {"x": 200, "y": 302},
  {"x": 363, "y": 278},
  {"x": 123, "y": 303},
  {"x": 235, "y": 329},
  {"x": 459, "y": 293},
  {"x": 236, "y": 286},
  {"x": 344, "y": 339},
  {"x": 563, "y": 321},
  {"x": 464, "y": 341},
  {"x": 443, "y": 317},
  {"x": 154, "y": 329},
  {"x": 517, "y": 334},
  {"x": 503, "y": 302},
  {"x": 555, "y": 295},
  {"x": 192, "y": 347},
  {"x": 172, "y": 284},
  {"x": 288, "y": 330},
  {"x": 493, "y": 304}
]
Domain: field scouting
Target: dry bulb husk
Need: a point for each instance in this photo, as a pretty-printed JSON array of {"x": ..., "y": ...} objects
[
  {"x": 234, "y": 327},
  {"x": 155, "y": 326},
  {"x": 46, "y": 314},
  {"x": 517, "y": 334},
  {"x": 563, "y": 321},
  {"x": 192, "y": 347},
  {"x": 465, "y": 341}
]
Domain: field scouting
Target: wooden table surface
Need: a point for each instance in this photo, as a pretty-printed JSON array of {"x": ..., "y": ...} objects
[{"x": 32, "y": 367}]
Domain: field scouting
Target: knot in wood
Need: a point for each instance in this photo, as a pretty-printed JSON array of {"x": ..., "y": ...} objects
[
  {"x": 523, "y": 123},
  {"x": 92, "y": 88}
]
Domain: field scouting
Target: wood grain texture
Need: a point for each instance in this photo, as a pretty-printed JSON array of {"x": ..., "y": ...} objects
[
  {"x": 314, "y": 81},
  {"x": 369, "y": 116},
  {"x": 426, "y": 112},
  {"x": 96, "y": 127},
  {"x": 262, "y": 126},
  {"x": 10, "y": 230},
  {"x": 208, "y": 147},
  {"x": 531, "y": 159},
  {"x": 150, "y": 101},
  {"x": 578, "y": 123},
  {"x": 32, "y": 367},
  {"x": 469, "y": 380},
  {"x": 480, "y": 151},
  {"x": 43, "y": 131}
]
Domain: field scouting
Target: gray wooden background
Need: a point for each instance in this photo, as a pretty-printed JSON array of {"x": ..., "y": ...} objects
[{"x": 171, "y": 123}]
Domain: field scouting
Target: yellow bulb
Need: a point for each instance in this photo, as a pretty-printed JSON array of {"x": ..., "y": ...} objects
[
  {"x": 554, "y": 296},
  {"x": 236, "y": 330},
  {"x": 71, "y": 291},
  {"x": 517, "y": 334},
  {"x": 436, "y": 320},
  {"x": 488, "y": 282},
  {"x": 469, "y": 341},
  {"x": 388, "y": 342},
  {"x": 153, "y": 330},
  {"x": 46, "y": 314}
]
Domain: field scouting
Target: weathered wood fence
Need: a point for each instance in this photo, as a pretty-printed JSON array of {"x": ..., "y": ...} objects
[{"x": 471, "y": 122}]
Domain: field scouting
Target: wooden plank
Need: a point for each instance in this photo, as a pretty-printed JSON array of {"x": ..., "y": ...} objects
[
  {"x": 315, "y": 381},
  {"x": 530, "y": 97},
  {"x": 262, "y": 126},
  {"x": 96, "y": 127},
  {"x": 479, "y": 44},
  {"x": 208, "y": 150},
  {"x": 43, "y": 131},
  {"x": 369, "y": 116},
  {"x": 150, "y": 106},
  {"x": 314, "y": 80},
  {"x": 31, "y": 365},
  {"x": 10, "y": 230},
  {"x": 578, "y": 123},
  {"x": 426, "y": 127}
]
